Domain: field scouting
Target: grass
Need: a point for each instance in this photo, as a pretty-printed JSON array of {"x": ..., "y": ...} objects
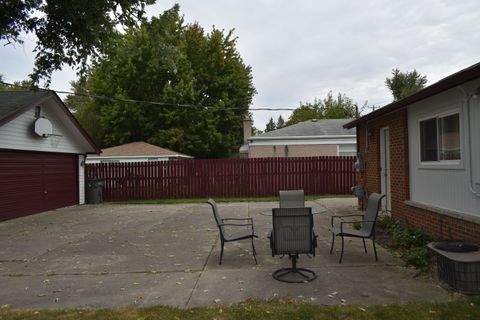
[
  {"x": 203, "y": 200},
  {"x": 461, "y": 309}
]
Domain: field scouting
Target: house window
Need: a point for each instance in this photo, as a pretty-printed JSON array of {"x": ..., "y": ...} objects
[
  {"x": 440, "y": 138},
  {"x": 345, "y": 150}
]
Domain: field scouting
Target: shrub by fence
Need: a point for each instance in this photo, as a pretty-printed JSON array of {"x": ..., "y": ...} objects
[{"x": 224, "y": 177}]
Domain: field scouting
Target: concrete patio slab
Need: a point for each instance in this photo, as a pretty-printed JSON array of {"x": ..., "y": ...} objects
[{"x": 108, "y": 256}]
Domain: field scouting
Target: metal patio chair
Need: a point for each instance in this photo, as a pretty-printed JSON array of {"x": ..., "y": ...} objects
[
  {"x": 292, "y": 199},
  {"x": 292, "y": 235},
  {"x": 246, "y": 230},
  {"x": 367, "y": 225}
]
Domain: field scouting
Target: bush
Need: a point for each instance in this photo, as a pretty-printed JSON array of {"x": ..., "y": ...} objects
[{"x": 409, "y": 242}]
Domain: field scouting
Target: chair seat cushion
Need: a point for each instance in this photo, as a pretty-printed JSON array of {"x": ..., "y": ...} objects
[
  {"x": 239, "y": 235},
  {"x": 351, "y": 232}
]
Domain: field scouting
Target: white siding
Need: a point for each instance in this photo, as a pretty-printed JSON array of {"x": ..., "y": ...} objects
[
  {"x": 91, "y": 159},
  {"x": 446, "y": 186},
  {"x": 18, "y": 134},
  {"x": 81, "y": 179}
]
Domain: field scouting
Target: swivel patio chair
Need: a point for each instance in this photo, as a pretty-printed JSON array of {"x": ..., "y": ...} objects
[
  {"x": 367, "y": 225},
  {"x": 245, "y": 225},
  {"x": 292, "y": 235},
  {"x": 292, "y": 199}
]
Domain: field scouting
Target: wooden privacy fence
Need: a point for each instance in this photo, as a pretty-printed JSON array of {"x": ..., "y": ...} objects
[{"x": 224, "y": 177}]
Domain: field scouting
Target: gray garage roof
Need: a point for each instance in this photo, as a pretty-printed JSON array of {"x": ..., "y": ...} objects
[
  {"x": 14, "y": 101},
  {"x": 323, "y": 127}
]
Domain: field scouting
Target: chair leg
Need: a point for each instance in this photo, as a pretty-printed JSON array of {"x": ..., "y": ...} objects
[
  {"x": 333, "y": 242},
  {"x": 221, "y": 253},
  {"x": 364, "y": 245},
  {"x": 254, "y": 252},
  {"x": 374, "y": 248},
  {"x": 341, "y": 254}
]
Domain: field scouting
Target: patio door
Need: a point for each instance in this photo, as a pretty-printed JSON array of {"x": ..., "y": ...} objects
[{"x": 385, "y": 167}]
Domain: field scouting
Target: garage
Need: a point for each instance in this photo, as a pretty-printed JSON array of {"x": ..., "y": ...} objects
[
  {"x": 42, "y": 153},
  {"x": 34, "y": 182}
]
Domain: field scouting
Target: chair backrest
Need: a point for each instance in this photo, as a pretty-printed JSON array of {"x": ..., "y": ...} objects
[
  {"x": 292, "y": 199},
  {"x": 373, "y": 206},
  {"x": 216, "y": 214},
  {"x": 292, "y": 230}
]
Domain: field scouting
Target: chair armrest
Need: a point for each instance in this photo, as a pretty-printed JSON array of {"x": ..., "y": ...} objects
[
  {"x": 351, "y": 222},
  {"x": 237, "y": 219},
  {"x": 345, "y": 216},
  {"x": 236, "y": 224}
]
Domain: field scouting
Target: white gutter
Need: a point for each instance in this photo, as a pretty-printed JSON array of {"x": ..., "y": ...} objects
[
  {"x": 342, "y": 136},
  {"x": 470, "y": 160}
]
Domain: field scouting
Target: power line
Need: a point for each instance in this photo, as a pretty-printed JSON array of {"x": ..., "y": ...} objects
[{"x": 168, "y": 104}]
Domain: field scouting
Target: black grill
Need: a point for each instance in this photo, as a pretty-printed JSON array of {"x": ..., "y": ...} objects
[{"x": 456, "y": 246}]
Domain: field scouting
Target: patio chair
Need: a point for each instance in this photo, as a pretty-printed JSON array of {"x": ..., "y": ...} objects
[
  {"x": 292, "y": 199},
  {"x": 292, "y": 235},
  {"x": 245, "y": 225},
  {"x": 367, "y": 225}
]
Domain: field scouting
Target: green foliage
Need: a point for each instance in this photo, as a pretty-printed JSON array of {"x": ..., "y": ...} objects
[
  {"x": 409, "y": 242},
  {"x": 270, "y": 125},
  {"x": 70, "y": 31},
  {"x": 256, "y": 131},
  {"x": 403, "y": 84},
  {"x": 280, "y": 122},
  {"x": 168, "y": 61},
  {"x": 17, "y": 85},
  {"x": 327, "y": 108}
]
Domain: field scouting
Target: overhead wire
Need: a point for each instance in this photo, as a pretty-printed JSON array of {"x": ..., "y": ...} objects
[{"x": 181, "y": 105}]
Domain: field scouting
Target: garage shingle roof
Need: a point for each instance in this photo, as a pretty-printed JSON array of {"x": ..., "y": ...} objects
[
  {"x": 14, "y": 101},
  {"x": 139, "y": 148},
  {"x": 322, "y": 127}
]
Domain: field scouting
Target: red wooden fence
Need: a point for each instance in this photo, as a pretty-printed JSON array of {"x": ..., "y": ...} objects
[{"x": 224, "y": 177}]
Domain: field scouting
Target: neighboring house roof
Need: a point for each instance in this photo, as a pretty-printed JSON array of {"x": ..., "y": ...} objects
[
  {"x": 310, "y": 128},
  {"x": 446, "y": 83},
  {"x": 140, "y": 148},
  {"x": 15, "y": 103}
]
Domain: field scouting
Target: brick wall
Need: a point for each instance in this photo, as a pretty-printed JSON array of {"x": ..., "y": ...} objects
[{"x": 442, "y": 226}]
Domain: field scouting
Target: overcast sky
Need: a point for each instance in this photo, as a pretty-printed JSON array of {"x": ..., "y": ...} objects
[{"x": 300, "y": 50}]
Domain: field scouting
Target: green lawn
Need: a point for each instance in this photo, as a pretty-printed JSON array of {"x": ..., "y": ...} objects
[
  {"x": 203, "y": 200},
  {"x": 462, "y": 309}
]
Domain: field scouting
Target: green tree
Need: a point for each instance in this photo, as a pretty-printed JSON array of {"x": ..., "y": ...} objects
[
  {"x": 403, "y": 84},
  {"x": 182, "y": 68},
  {"x": 342, "y": 107},
  {"x": 270, "y": 125},
  {"x": 280, "y": 122},
  {"x": 16, "y": 85},
  {"x": 68, "y": 32}
]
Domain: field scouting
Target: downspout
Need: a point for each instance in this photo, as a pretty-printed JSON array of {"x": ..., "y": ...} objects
[{"x": 467, "y": 98}]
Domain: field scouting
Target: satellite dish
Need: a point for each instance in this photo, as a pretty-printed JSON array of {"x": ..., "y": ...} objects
[{"x": 43, "y": 127}]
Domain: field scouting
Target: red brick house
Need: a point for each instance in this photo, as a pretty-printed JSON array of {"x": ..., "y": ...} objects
[{"x": 423, "y": 152}]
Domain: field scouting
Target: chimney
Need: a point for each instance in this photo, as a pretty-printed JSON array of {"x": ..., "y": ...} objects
[{"x": 247, "y": 129}]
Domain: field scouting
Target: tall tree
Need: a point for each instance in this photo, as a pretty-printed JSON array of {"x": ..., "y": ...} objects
[
  {"x": 270, "y": 125},
  {"x": 201, "y": 85},
  {"x": 68, "y": 32},
  {"x": 403, "y": 84},
  {"x": 280, "y": 122},
  {"x": 327, "y": 108}
]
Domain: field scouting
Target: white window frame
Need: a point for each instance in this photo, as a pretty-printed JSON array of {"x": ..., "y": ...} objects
[
  {"x": 440, "y": 164},
  {"x": 347, "y": 152}
]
